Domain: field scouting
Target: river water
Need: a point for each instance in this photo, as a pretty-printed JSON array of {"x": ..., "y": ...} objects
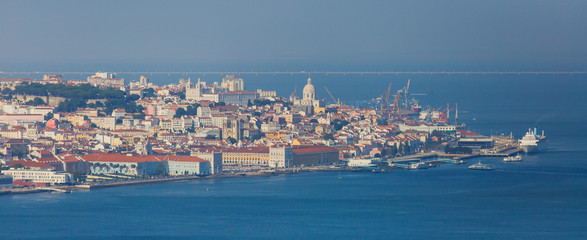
[{"x": 542, "y": 197}]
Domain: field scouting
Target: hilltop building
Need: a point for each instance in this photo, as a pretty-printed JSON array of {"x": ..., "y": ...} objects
[
  {"x": 231, "y": 91},
  {"x": 106, "y": 79},
  {"x": 308, "y": 103},
  {"x": 232, "y": 84}
]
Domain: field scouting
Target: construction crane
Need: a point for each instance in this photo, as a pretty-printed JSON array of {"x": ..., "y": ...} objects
[
  {"x": 293, "y": 94},
  {"x": 388, "y": 93},
  {"x": 445, "y": 114},
  {"x": 406, "y": 93},
  {"x": 456, "y": 113},
  {"x": 333, "y": 99}
]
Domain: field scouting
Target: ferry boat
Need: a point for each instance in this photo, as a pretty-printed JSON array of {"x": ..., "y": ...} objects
[
  {"x": 516, "y": 158},
  {"x": 481, "y": 166},
  {"x": 418, "y": 165},
  {"x": 532, "y": 142}
]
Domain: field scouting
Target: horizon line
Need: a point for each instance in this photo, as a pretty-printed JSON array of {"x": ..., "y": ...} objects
[{"x": 315, "y": 72}]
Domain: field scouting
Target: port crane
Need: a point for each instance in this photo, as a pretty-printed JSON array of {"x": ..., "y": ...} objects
[
  {"x": 333, "y": 99},
  {"x": 292, "y": 97},
  {"x": 445, "y": 114}
]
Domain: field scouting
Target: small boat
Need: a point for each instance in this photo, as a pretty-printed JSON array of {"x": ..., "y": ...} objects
[
  {"x": 481, "y": 166},
  {"x": 419, "y": 165},
  {"x": 516, "y": 158}
]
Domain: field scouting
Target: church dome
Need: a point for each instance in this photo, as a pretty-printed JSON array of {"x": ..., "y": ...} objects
[{"x": 309, "y": 90}]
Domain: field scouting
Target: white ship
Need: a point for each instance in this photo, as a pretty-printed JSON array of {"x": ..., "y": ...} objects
[
  {"x": 517, "y": 158},
  {"x": 481, "y": 166},
  {"x": 532, "y": 142},
  {"x": 418, "y": 165}
]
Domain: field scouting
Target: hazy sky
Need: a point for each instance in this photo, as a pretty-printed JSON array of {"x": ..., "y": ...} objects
[{"x": 533, "y": 34}]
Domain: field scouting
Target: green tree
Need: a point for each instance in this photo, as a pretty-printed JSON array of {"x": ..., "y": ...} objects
[
  {"x": 48, "y": 116},
  {"x": 338, "y": 124},
  {"x": 179, "y": 112},
  {"x": 393, "y": 150},
  {"x": 36, "y": 102},
  {"x": 232, "y": 140}
]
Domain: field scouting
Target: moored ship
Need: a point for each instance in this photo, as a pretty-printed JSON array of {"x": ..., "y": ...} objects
[{"x": 532, "y": 142}]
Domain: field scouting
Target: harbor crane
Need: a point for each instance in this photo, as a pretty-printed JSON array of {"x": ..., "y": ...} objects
[
  {"x": 333, "y": 99},
  {"x": 293, "y": 94}
]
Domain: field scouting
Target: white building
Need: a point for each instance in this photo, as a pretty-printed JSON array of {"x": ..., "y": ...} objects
[
  {"x": 232, "y": 84},
  {"x": 280, "y": 157},
  {"x": 104, "y": 122},
  {"x": 427, "y": 128},
  {"x": 270, "y": 127},
  {"x": 47, "y": 176},
  {"x": 215, "y": 159},
  {"x": 239, "y": 98},
  {"x": 309, "y": 96},
  {"x": 186, "y": 165},
  {"x": 105, "y": 79}
]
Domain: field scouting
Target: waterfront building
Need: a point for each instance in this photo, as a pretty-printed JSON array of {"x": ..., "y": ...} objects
[
  {"x": 246, "y": 156},
  {"x": 314, "y": 155},
  {"x": 188, "y": 165},
  {"x": 5, "y": 181},
  {"x": 429, "y": 128},
  {"x": 114, "y": 163},
  {"x": 476, "y": 142},
  {"x": 40, "y": 175},
  {"x": 280, "y": 157},
  {"x": 211, "y": 155}
]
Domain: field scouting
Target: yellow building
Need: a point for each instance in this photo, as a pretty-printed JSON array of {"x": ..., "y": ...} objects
[
  {"x": 76, "y": 120},
  {"x": 251, "y": 156}
]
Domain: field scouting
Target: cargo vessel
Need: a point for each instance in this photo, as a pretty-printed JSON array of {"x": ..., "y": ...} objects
[{"x": 532, "y": 142}]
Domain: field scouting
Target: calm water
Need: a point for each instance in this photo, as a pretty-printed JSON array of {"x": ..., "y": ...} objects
[{"x": 543, "y": 197}]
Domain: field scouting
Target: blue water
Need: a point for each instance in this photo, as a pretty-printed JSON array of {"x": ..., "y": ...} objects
[{"x": 543, "y": 197}]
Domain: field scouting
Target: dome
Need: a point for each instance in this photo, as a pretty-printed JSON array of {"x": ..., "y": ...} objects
[{"x": 309, "y": 90}]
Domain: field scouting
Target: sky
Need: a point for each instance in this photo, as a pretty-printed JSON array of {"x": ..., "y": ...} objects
[{"x": 293, "y": 35}]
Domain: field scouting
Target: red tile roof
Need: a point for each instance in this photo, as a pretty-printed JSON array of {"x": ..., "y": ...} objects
[
  {"x": 312, "y": 149},
  {"x": 116, "y": 157},
  {"x": 31, "y": 164},
  {"x": 180, "y": 158}
]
